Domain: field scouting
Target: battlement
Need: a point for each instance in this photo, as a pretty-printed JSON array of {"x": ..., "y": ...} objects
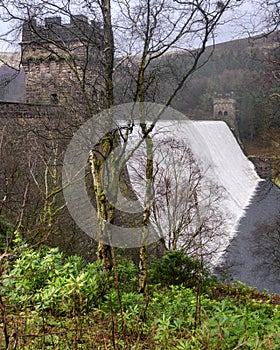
[
  {"x": 49, "y": 50},
  {"x": 79, "y": 29}
]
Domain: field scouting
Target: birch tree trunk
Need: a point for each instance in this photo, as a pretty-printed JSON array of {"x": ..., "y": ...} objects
[
  {"x": 105, "y": 210},
  {"x": 143, "y": 254}
]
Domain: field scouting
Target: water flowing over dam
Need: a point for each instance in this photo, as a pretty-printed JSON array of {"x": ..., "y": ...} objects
[{"x": 250, "y": 205}]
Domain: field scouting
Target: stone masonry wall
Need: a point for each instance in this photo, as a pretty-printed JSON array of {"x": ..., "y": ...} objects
[
  {"x": 225, "y": 109},
  {"x": 28, "y": 110},
  {"x": 61, "y": 60}
]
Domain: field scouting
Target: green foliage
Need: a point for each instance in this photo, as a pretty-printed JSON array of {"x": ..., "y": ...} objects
[
  {"x": 176, "y": 268},
  {"x": 226, "y": 323},
  {"x": 128, "y": 275},
  {"x": 69, "y": 305},
  {"x": 45, "y": 280}
]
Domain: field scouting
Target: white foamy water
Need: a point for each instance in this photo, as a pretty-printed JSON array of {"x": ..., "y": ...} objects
[{"x": 223, "y": 162}]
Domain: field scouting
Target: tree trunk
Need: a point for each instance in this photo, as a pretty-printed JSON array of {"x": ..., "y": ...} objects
[
  {"x": 105, "y": 211},
  {"x": 143, "y": 269}
]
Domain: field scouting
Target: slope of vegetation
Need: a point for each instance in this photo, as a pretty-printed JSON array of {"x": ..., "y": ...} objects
[
  {"x": 246, "y": 69},
  {"x": 49, "y": 301}
]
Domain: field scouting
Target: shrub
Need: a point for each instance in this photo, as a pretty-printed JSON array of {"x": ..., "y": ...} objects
[
  {"x": 176, "y": 268},
  {"x": 45, "y": 280},
  {"x": 128, "y": 275}
]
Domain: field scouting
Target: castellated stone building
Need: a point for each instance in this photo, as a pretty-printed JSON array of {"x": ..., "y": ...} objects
[
  {"x": 61, "y": 60},
  {"x": 225, "y": 109},
  {"x": 60, "y": 77}
]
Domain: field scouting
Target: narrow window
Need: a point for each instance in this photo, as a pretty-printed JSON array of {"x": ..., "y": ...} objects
[
  {"x": 225, "y": 113},
  {"x": 54, "y": 99}
]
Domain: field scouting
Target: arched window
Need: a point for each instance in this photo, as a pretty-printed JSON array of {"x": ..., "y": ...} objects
[
  {"x": 220, "y": 113},
  {"x": 225, "y": 113}
]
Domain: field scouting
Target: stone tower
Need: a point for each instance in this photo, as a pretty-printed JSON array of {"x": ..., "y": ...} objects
[
  {"x": 224, "y": 108},
  {"x": 60, "y": 59}
]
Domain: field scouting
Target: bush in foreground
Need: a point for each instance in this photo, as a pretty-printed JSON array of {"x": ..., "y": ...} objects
[
  {"x": 53, "y": 302},
  {"x": 176, "y": 268}
]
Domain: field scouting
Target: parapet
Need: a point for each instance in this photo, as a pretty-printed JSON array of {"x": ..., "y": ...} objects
[{"x": 78, "y": 29}]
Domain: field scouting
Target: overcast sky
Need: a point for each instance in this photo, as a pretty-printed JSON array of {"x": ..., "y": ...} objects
[{"x": 245, "y": 20}]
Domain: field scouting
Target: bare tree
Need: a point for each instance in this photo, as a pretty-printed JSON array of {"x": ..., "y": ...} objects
[
  {"x": 183, "y": 22},
  {"x": 268, "y": 99},
  {"x": 185, "y": 207},
  {"x": 271, "y": 11},
  {"x": 139, "y": 33}
]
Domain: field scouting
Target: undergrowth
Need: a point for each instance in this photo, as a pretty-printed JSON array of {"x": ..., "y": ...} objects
[{"x": 49, "y": 301}]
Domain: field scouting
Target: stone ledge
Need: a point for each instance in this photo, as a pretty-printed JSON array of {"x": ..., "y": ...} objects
[{"x": 29, "y": 110}]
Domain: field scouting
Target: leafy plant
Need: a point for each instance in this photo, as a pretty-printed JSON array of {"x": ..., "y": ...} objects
[
  {"x": 69, "y": 304},
  {"x": 44, "y": 279},
  {"x": 128, "y": 275},
  {"x": 176, "y": 268}
]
